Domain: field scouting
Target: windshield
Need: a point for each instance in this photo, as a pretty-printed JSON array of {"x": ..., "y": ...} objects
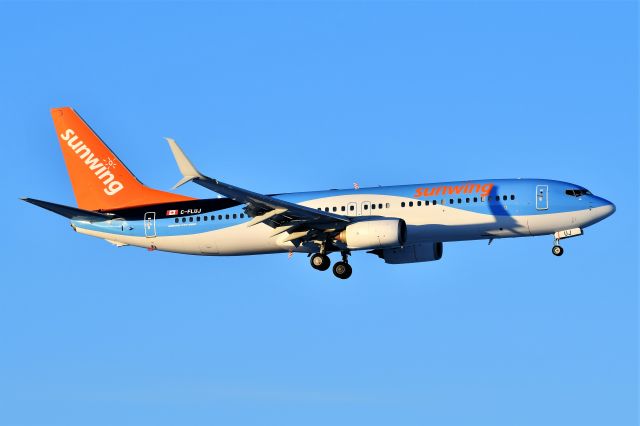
[{"x": 577, "y": 192}]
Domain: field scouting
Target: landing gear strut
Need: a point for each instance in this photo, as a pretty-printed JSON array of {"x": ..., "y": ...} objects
[{"x": 342, "y": 269}]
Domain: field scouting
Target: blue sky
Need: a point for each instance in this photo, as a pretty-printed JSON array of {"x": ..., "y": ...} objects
[{"x": 295, "y": 96}]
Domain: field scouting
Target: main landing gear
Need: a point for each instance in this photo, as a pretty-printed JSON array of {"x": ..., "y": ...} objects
[
  {"x": 320, "y": 261},
  {"x": 342, "y": 269}
]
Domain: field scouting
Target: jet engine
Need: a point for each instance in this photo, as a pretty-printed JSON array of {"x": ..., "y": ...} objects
[{"x": 373, "y": 234}]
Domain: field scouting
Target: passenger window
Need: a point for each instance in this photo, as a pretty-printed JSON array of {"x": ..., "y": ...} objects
[
  {"x": 352, "y": 208},
  {"x": 226, "y": 216},
  {"x": 513, "y": 197},
  {"x": 191, "y": 219},
  {"x": 177, "y": 220},
  {"x": 475, "y": 199},
  {"x": 419, "y": 203},
  {"x": 343, "y": 208},
  {"x": 198, "y": 219},
  {"x": 184, "y": 219},
  {"x": 402, "y": 204},
  {"x": 235, "y": 216},
  {"x": 380, "y": 206},
  {"x": 241, "y": 215},
  {"x": 434, "y": 202},
  {"x": 482, "y": 199},
  {"x": 205, "y": 218},
  {"x": 365, "y": 206},
  {"x": 504, "y": 197},
  {"x": 213, "y": 217},
  {"x": 410, "y": 203},
  {"x": 468, "y": 200},
  {"x": 326, "y": 209},
  {"x": 497, "y": 198},
  {"x": 373, "y": 206},
  {"x": 388, "y": 205},
  {"x": 219, "y": 217},
  {"x": 450, "y": 200},
  {"x": 459, "y": 200}
]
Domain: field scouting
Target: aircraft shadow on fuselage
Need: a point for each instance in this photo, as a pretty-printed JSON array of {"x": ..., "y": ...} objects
[
  {"x": 498, "y": 208},
  {"x": 502, "y": 223}
]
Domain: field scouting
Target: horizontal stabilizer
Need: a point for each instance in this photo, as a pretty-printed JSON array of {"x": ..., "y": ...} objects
[{"x": 70, "y": 212}]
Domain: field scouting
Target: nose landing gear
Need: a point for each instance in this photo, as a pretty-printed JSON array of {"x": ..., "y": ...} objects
[
  {"x": 557, "y": 250},
  {"x": 560, "y": 235}
]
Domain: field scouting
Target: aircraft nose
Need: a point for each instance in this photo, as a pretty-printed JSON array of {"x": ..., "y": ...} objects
[
  {"x": 606, "y": 209},
  {"x": 609, "y": 209}
]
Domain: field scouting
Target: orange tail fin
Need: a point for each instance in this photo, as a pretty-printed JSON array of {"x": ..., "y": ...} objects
[{"x": 100, "y": 181}]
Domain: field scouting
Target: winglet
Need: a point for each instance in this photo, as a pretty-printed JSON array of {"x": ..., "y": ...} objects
[{"x": 188, "y": 170}]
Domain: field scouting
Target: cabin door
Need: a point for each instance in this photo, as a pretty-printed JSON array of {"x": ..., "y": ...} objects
[
  {"x": 542, "y": 197},
  {"x": 150, "y": 224}
]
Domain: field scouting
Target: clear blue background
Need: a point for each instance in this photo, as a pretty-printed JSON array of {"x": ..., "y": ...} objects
[{"x": 303, "y": 96}]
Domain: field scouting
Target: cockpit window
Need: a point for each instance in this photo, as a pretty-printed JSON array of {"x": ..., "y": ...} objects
[{"x": 577, "y": 192}]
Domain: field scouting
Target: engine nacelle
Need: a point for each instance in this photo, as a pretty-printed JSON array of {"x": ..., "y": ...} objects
[
  {"x": 420, "y": 252},
  {"x": 374, "y": 234}
]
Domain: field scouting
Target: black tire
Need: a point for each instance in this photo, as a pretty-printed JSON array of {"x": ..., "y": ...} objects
[
  {"x": 342, "y": 270},
  {"x": 321, "y": 262},
  {"x": 557, "y": 250}
]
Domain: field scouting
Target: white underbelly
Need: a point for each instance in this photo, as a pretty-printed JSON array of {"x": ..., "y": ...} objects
[{"x": 234, "y": 240}]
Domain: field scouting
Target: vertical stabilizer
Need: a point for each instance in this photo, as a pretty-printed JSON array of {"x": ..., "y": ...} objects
[{"x": 100, "y": 180}]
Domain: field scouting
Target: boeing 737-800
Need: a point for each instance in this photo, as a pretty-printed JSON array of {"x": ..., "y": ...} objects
[{"x": 400, "y": 224}]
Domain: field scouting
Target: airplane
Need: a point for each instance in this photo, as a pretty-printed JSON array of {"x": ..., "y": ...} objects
[{"x": 399, "y": 224}]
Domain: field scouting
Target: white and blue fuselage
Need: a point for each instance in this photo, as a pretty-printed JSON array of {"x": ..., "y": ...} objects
[{"x": 433, "y": 213}]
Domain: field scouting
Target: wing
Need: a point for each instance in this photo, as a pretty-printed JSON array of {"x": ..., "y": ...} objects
[{"x": 300, "y": 222}]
